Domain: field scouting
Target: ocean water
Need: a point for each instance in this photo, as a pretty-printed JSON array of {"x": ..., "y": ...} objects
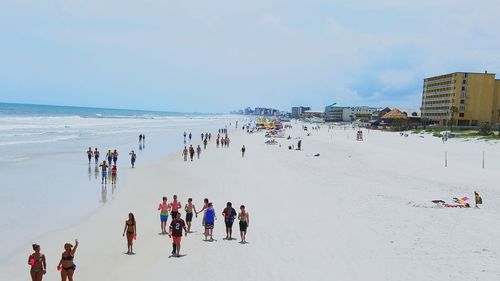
[{"x": 44, "y": 169}]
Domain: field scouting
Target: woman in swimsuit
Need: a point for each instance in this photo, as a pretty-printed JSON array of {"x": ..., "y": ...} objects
[
  {"x": 66, "y": 263},
  {"x": 114, "y": 172},
  {"x": 130, "y": 229},
  {"x": 38, "y": 264},
  {"x": 244, "y": 219}
]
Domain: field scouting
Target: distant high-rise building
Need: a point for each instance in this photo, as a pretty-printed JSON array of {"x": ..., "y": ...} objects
[
  {"x": 299, "y": 110},
  {"x": 465, "y": 98}
]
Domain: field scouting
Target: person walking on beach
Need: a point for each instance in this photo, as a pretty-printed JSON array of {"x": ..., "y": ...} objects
[
  {"x": 132, "y": 158},
  {"x": 66, "y": 264},
  {"x": 299, "y": 144},
  {"x": 190, "y": 136},
  {"x": 184, "y": 137},
  {"x": 209, "y": 218},
  {"x": 227, "y": 141},
  {"x": 38, "y": 264},
  {"x": 243, "y": 149},
  {"x": 217, "y": 142},
  {"x": 115, "y": 156},
  {"x": 198, "y": 151},
  {"x": 202, "y": 135},
  {"x": 114, "y": 172},
  {"x": 229, "y": 215},
  {"x": 244, "y": 219},
  {"x": 185, "y": 153},
  {"x": 205, "y": 144},
  {"x": 109, "y": 155},
  {"x": 104, "y": 172},
  {"x": 131, "y": 230},
  {"x": 140, "y": 138},
  {"x": 205, "y": 206},
  {"x": 189, "y": 208},
  {"x": 96, "y": 156},
  {"x": 209, "y": 136},
  {"x": 191, "y": 152},
  {"x": 175, "y": 232},
  {"x": 163, "y": 208},
  {"x": 89, "y": 154},
  {"x": 174, "y": 207}
]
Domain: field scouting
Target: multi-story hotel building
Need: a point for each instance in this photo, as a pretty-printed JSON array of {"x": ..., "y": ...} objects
[{"x": 466, "y": 98}]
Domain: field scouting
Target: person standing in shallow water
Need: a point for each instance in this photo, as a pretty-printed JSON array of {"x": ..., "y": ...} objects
[
  {"x": 131, "y": 230},
  {"x": 115, "y": 157},
  {"x": 89, "y": 154},
  {"x": 104, "y": 172},
  {"x": 243, "y": 151},
  {"x": 96, "y": 156},
  {"x": 37, "y": 263},
  {"x": 132, "y": 158},
  {"x": 66, "y": 263}
]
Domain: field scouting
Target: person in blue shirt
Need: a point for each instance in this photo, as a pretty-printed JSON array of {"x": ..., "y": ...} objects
[{"x": 209, "y": 218}]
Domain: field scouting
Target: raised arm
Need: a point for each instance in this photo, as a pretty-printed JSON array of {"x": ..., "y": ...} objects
[{"x": 74, "y": 248}]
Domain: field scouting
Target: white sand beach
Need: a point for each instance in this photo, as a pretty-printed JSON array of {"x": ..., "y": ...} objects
[{"x": 361, "y": 210}]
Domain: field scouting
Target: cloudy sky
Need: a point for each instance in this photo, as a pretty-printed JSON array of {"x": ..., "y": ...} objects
[{"x": 215, "y": 56}]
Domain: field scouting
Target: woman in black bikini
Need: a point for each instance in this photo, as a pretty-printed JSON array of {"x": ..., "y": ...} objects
[
  {"x": 37, "y": 262},
  {"x": 131, "y": 232},
  {"x": 66, "y": 263}
]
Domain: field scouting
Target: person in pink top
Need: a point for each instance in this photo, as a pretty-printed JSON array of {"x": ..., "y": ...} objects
[
  {"x": 174, "y": 207},
  {"x": 163, "y": 208}
]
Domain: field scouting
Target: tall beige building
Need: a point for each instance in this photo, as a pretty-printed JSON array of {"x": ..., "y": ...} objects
[{"x": 466, "y": 98}]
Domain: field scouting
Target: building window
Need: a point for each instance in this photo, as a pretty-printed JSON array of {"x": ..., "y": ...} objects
[
  {"x": 464, "y": 82},
  {"x": 461, "y": 114},
  {"x": 462, "y": 101},
  {"x": 465, "y": 75},
  {"x": 463, "y": 88},
  {"x": 462, "y": 108},
  {"x": 462, "y": 95}
]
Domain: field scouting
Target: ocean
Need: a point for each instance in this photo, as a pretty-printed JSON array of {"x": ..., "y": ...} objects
[{"x": 47, "y": 182}]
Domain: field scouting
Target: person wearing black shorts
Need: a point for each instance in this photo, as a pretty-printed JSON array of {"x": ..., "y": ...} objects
[
  {"x": 229, "y": 215},
  {"x": 189, "y": 208},
  {"x": 244, "y": 219}
]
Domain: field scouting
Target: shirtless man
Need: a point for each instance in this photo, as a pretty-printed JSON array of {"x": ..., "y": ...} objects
[
  {"x": 189, "y": 208},
  {"x": 89, "y": 154},
  {"x": 198, "y": 151},
  {"x": 244, "y": 219},
  {"x": 104, "y": 172},
  {"x": 185, "y": 153},
  {"x": 96, "y": 156},
  {"x": 191, "y": 152}
]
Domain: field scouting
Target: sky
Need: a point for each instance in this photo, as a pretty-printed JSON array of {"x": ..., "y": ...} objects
[{"x": 216, "y": 56}]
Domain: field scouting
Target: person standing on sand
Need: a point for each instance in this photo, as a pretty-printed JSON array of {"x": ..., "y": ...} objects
[
  {"x": 96, "y": 156},
  {"x": 205, "y": 206},
  {"x": 131, "y": 230},
  {"x": 205, "y": 144},
  {"x": 299, "y": 144},
  {"x": 189, "y": 208},
  {"x": 202, "y": 135},
  {"x": 163, "y": 208},
  {"x": 115, "y": 157},
  {"x": 217, "y": 142},
  {"x": 66, "y": 264},
  {"x": 243, "y": 151},
  {"x": 89, "y": 154},
  {"x": 175, "y": 232},
  {"x": 140, "y": 138},
  {"x": 478, "y": 199},
  {"x": 190, "y": 136},
  {"x": 37, "y": 263},
  {"x": 229, "y": 215},
  {"x": 198, "y": 151},
  {"x": 104, "y": 172},
  {"x": 184, "y": 137},
  {"x": 174, "y": 207},
  {"x": 191, "y": 152},
  {"x": 244, "y": 219},
  {"x": 185, "y": 153},
  {"x": 209, "y": 136},
  {"x": 132, "y": 158},
  {"x": 114, "y": 172},
  {"x": 209, "y": 218}
]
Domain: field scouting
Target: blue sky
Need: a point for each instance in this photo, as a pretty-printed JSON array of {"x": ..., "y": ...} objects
[{"x": 215, "y": 56}]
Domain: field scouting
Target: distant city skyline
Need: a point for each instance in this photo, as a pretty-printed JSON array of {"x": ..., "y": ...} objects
[{"x": 215, "y": 57}]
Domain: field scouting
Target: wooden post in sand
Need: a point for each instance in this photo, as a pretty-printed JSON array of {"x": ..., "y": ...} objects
[{"x": 446, "y": 159}]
